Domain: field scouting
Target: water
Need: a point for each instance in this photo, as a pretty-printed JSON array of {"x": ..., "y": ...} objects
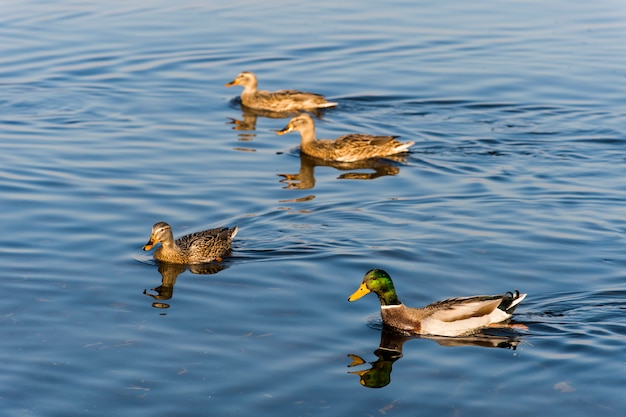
[{"x": 114, "y": 116}]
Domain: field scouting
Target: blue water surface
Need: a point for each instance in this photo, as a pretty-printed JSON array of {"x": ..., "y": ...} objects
[{"x": 114, "y": 115}]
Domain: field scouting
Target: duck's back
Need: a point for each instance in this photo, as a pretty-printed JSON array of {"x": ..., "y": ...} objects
[
  {"x": 285, "y": 100},
  {"x": 187, "y": 240},
  {"x": 355, "y": 147},
  {"x": 207, "y": 245}
]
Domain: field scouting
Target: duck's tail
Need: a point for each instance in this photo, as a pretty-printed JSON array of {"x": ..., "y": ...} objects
[
  {"x": 326, "y": 105},
  {"x": 510, "y": 301},
  {"x": 404, "y": 147}
]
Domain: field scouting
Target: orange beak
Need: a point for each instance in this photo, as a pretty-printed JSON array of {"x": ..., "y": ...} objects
[
  {"x": 284, "y": 130},
  {"x": 149, "y": 245}
]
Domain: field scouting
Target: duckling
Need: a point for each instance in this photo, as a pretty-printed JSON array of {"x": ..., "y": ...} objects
[
  {"x": 347, "y": 148},
  {"x": 277, "y": 101},
  {"x": 196, "y": 248},
  {"x": 451, "y": 317}
]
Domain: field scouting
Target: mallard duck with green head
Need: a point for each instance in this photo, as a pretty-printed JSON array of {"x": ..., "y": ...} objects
[
  {"x": 276, "y": 101},
  {"x": 451, "y": 317},
  {"x": 346, "y": 148},
  {"x": 196, "y": 248}
]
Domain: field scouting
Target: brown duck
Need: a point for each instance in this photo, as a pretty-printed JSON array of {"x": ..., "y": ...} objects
[
  {"x": 196, "y": 248},
  {"x": 276, "y": 101},
  {"x": 347, "y": 148}
]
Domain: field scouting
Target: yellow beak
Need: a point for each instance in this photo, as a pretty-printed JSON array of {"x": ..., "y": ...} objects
[
  {"x": 230, "y": 84},
  {"x": 359, "y": 293}
]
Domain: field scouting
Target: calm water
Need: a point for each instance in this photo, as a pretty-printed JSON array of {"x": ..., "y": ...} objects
[{"x": 114, "y": 115}]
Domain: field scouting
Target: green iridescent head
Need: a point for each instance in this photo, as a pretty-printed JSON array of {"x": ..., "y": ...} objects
[{"x": 378, "y": 282}]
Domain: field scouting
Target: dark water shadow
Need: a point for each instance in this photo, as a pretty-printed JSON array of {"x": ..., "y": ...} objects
[
  {"x": 305, "y": 178},
  {"x": 169, "y": 274},
  {"x": 392, "y": 343}
]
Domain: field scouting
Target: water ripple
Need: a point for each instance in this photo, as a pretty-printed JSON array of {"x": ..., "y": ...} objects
[{"x": 114, "y": 116}]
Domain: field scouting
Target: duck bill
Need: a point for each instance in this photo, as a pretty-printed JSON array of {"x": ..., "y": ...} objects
[
  {"x": 284, "y": 130},
  {"x": 149, "y": 245},
  {"x": 230, "y": 84},
  {"x": 359, "y": 373},
  {"x": 359, "y": 293},
  {"x": 356, "y": 360}
]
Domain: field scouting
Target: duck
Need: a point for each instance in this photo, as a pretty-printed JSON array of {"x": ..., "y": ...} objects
[
  {"x": 451, "y": 317},
  {"x": 347, "y": 148},
  {"x": 196, "y": 248},
  {"x": 276, "y": 101}
]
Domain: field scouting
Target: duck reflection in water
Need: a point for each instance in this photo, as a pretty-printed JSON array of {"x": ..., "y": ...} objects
[
  {"x": 169, "y": 274},
  {"x": 305, "y": 179},
  {"x": 390, "y": 350}
]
